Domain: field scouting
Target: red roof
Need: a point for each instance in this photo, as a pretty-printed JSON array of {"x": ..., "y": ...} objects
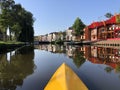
[
  {"x": 112, "y": 20},
  {"x": 96, "y": 24}
]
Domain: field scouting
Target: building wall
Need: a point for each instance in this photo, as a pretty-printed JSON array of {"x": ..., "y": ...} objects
[
  {"x": 55, "y": 37},
  {"x": 87, "y": 34},
  {"x": 49, "y": 37},
  {"x": 70, "y": 36},
  {"x": 94, "y": 34},
  {"x": 44, "y": 38}
]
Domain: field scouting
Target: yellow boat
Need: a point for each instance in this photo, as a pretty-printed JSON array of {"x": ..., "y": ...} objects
[{"x": 65, "y": 79}]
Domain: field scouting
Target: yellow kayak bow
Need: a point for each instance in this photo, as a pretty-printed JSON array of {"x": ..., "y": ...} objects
[{"x": 65, "y": 79}]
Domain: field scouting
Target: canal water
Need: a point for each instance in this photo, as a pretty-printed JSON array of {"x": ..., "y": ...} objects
[{"x": 30, "y": 68}]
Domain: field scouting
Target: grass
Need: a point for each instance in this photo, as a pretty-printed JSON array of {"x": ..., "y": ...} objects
[
  {"x": 9, "y": 46},
  {"x": 10, "y": 42}
]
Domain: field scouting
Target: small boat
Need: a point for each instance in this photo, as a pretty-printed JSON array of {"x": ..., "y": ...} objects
[{"x": 65, "y": 79}]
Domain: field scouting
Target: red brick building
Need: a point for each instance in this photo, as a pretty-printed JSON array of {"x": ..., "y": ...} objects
[{"x": 104, "y": 29}]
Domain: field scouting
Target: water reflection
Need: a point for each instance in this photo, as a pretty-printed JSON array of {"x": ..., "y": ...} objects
[
  {"x": 98, "y": 67},
  {"x": 96, "y": 55},
  {"x": 73, "y": 52},
  {"x": 108, "y": 56},
  {"x": 15, "y": 67}
]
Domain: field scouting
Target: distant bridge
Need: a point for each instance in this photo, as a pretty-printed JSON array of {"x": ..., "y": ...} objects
[{"x": 41, "y": 42}]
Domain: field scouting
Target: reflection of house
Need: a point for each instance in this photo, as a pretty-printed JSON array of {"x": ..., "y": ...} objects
[
  {"x": 70, "y": 50},
  {"x": 49, "y": 47},
  {"x": 100, "y": 55},
  {"x": 44, "y": 47},
  {"x": 87, "y": 52},
  {"x": 93, "y": 51},
  {"x": 108, "y": 56},
  {"x": 100, "y": 61}
]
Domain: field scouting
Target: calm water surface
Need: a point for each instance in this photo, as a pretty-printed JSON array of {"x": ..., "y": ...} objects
[{"x": 31, "y": 68}]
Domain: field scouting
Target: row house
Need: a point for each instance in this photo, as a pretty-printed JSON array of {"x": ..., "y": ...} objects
[
  {"x": 104, "y": 29},
  {"x": 55, "y": 36},
  {"x": 43, "y": 38},
  {"x": 70, "y": 35},
  {"x": 82, "y": 37},
  {"x": 49, "y": 37}
]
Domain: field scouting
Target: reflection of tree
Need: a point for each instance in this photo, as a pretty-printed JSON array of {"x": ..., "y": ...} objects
[
  {"x": 78, "y": 58},
  {"x": 19, "y": 67},
  {"x": 118, "y": 68},
  {"x": 108, "y": 69}
]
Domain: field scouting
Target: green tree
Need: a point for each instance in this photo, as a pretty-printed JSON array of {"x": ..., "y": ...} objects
[
  {"x": 18, "y": 19},
  {"x": 20, "y": 66},
  {"x": 78, "y": 26},
  {"x": 108, "y": 15},
  {"x": 118, "y": 18},
  {"x": 78, "y": 58},
  {"x": 6, "y": 17},
  {"x": 27, "y": 32},
  {"x": 108, "y": 69}
]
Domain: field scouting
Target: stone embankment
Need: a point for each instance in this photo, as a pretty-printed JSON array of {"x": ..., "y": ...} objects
[{"x": 108, "y": 42}]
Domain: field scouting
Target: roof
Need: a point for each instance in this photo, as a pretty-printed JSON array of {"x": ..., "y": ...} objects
[{"x": 113, "y": 20}]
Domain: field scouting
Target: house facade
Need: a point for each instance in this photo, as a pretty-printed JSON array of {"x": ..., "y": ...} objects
[
  {"x": 44, "y": 38},
  {"x": 103, "y": 30},
  {"x": 50, "y": 37},
  {"x": 57, "y": 36},
  {"x": 70, "y": 35}
]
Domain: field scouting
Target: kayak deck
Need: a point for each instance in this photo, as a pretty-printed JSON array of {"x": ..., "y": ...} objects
[{"x": 65, "y": 79}]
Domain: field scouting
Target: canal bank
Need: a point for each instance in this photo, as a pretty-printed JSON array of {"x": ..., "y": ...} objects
[
  {"x": 9, "y": 46},
  {"x": 108, "y": 42}
]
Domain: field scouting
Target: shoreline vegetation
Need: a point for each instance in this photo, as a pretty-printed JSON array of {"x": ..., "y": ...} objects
[
  {"x": 16, "y": 26},
  {"x": 9, "y": 46}
]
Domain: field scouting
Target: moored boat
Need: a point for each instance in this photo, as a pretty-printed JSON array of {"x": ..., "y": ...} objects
[{"x": 65, "y": 79}]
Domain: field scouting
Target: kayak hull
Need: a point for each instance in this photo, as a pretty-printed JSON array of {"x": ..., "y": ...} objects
[{"x": 65, "y": 79}]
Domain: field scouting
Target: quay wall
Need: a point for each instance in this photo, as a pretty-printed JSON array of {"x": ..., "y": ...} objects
[{"x": 109, "y": 42}]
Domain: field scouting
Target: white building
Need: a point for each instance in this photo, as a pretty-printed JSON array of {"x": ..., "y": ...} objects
[
  {"x": 69, "y": 35},
  {"x": 44, "y": 38},
  {"x": 50, "y": 37}
]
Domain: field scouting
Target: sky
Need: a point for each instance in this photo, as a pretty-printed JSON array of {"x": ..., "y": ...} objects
[{"x": 58, "y": 15}]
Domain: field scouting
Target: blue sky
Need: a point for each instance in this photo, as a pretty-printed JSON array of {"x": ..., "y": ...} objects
[{"x": 58, "y": 15}]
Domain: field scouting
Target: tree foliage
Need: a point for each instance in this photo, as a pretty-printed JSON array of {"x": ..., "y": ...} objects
[
  {"x": 78, "y": 58},
  {"x": 108, "y": 15},
  {"x": 78, "y": 26},
  {"x": 18, "y": 19}
]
